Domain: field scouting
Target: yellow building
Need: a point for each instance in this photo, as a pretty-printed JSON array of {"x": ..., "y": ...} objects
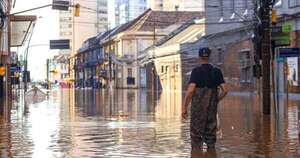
[{"x": 168, "y": 58}]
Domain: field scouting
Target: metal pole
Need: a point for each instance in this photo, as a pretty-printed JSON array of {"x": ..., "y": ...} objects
[
  {"x": 155, "y": 85},
  {"x": 286, "y": 71},
  {"x": 32, "y": 9},
  {"x": 8, "y": 84},
  {"x": 26, "y": 60},
  {"x": 47, "y": 73},
  {"x": 266, "y": 56},
  {"x": 273, "y": 76},
  {"x": 110, "y": 63}
]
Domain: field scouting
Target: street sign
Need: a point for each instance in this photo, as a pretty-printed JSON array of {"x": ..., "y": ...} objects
[
  {"x": 289, "y": 52},
  {"x": 60, "y": 44},
  {"x": 60, "y": 5},
  {"x": 15, "y": 69},
  {"x": 280, "y": 37}
]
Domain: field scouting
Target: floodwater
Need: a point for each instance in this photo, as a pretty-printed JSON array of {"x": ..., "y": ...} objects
[{"x": 138, "y": 123}]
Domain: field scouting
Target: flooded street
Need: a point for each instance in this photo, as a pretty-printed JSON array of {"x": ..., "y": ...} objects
[{"x": 137, "y": 123}]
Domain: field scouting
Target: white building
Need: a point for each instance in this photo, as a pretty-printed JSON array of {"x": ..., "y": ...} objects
[
  {"x": 183, "y": 5},
  {"x": 122, "y": 11},
  {"x": 155, "y": 4}
]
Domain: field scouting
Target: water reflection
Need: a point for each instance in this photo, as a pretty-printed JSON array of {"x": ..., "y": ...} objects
[
  {"x": 210, "y": 153},
  {"x": 140, "y": 123}
]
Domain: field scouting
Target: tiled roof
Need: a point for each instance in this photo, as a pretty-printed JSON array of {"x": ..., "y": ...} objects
[
  {"x": 163, "y": 19},
  {"x": 159, "y": 19}
]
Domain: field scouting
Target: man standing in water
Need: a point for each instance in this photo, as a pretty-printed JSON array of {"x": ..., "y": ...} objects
[{"x": 206, "y": 88}]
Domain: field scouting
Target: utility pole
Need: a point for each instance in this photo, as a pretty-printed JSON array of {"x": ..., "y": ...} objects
[
  {"x": 110, "y": 63},
  {"x": 154, "y": 84},
  {"x": 266, "y": 54},
  {"x": 110, "y": 66},
  {"x": 8, "y": 79}
]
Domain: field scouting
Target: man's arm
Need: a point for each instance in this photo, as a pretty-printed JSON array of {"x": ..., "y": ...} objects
[
  {"x": 187, "y": 99},
  {"x": 224, "y": 91}
]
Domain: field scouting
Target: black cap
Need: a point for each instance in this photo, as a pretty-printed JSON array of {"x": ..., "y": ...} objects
[{"x": 204, "y": 52}]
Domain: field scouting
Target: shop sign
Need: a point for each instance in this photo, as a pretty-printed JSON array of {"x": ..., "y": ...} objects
[
  {"x": 280, "y": 37},
  {"x": 289, "y": 52},
  {"x": 287, "y": 27}
]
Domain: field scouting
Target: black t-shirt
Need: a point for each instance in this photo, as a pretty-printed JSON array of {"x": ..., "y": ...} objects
[{"x": 207, "y": 76}]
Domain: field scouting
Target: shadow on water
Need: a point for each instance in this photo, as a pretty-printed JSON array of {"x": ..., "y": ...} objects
[
  {"x": 141, "y": 123},
  {"x": 209, "y": 153}
]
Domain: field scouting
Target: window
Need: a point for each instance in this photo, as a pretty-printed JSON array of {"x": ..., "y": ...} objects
[
  {"x": 245, "y": 58},
  {"x": 294, "y": 3},
  {"x": 177, "y": 68},
  {"x": 246, "y": 75},
  {"x": 162, "y": 69},
  {"x": 130, "y": 72},
  {"x": 167, "y": 69},
  {"x": 220, "y": 56},
  {"x": 245, "y": 65}
]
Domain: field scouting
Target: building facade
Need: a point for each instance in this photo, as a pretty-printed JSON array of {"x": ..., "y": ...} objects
[
  {"x": 123, "y": 11},
  {"x": 14, "y": 32},
  {"x": 223, "y": 15},
  {"x": 142, "y": 33},
  {"x": 88, "y": 63},
  {"x": 5, "y": 45},
  {"x": 93, "y": 19},
  {"x": 166, "y": 59},
  {"x": 122, "y": 46},
  {"x": 175, "y": 57},
  {"x": 288, "y": 11},
  {"x": 232, "y": 52}
]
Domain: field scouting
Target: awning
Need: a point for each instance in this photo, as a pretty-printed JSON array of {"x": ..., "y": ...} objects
[{"x": 20, "y": 26}]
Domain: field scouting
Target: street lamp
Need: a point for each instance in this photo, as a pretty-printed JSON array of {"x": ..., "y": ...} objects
[{"x": 26, "y": 61}]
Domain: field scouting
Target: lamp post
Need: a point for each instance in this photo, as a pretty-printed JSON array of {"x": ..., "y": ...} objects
[{"x": 26, "y": 63}]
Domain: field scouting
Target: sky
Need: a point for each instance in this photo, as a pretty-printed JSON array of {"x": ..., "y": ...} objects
[{"x": 47, "y": 28}]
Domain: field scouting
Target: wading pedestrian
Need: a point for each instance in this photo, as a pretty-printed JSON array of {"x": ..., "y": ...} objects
[{"x": 205, "y": 90}]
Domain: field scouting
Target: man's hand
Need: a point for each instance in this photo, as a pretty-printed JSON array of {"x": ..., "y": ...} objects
[
  {"x": 223, "y": 93},
  {"x": 184, "y": 113},
  {"x": 187, "y": 99}
]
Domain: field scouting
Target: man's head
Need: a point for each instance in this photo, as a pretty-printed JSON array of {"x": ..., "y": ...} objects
[{"x": 204, "y": 54}]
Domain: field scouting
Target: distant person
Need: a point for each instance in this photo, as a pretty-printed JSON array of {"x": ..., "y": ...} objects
[{"x": 206, "y": 88}]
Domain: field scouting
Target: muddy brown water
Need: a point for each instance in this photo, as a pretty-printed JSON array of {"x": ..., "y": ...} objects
[{"x": 139, "y": 123}]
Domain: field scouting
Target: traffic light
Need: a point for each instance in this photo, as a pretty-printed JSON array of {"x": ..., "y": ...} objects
[
  {"x": 77, "y": 10},
  {"x": 2, "y": 70},
  {"x": 274, "y": 16}
]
